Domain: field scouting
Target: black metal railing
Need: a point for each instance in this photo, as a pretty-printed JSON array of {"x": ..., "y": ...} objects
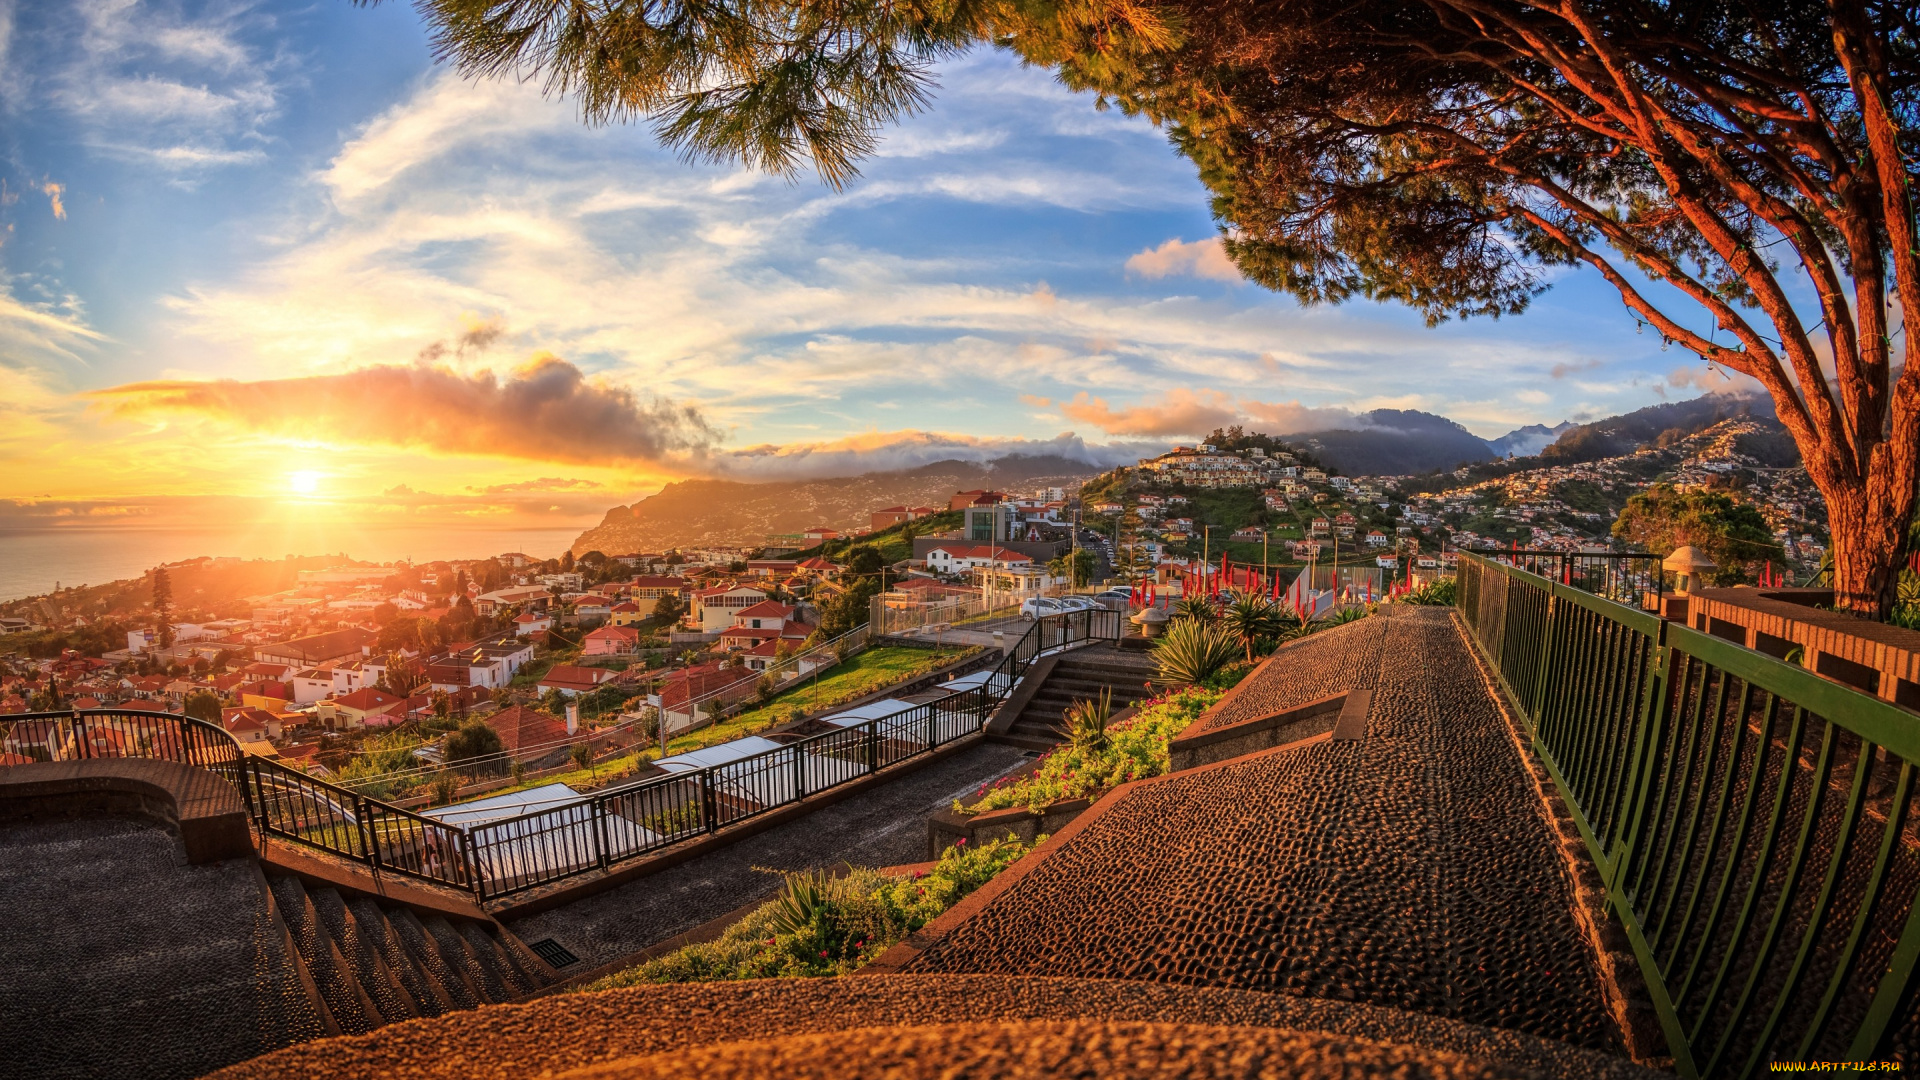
[
  {"x": 552, "y": 843},
  {"x": 1754, "y": 823},
  {"x": 282, "y": 801},
  {"x": 1631, "y": 578},
  {"x": 612, "y": 826}
]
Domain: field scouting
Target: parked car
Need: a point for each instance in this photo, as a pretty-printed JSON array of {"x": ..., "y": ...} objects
[
  {"x": 1039, "y": 607},
  {"x": 1118, "y": 592}
]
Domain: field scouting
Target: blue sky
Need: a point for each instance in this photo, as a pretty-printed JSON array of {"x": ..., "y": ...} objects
[{"x": 289, "y": 196}]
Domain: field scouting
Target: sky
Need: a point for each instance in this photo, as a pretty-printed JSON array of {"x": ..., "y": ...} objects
[{"x": 269, "y": 260}]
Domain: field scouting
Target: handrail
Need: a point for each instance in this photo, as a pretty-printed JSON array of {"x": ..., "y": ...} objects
[
  {"x": 593, "y": 832},
  {"x": 282, "y": 801},
  {"x": 1611, "y": 574},
  {"x": 1754, "y": 823}
]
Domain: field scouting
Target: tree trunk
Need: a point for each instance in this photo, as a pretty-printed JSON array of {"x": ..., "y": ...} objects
[{"x": 1869, "y": 539}]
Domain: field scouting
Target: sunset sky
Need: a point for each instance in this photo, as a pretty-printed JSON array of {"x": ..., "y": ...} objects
[{"x": 267, "y": 258}]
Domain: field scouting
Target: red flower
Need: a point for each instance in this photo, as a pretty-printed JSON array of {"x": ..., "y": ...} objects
[{"x": 823, "y": 954}]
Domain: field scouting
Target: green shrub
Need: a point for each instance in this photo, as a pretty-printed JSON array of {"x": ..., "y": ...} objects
[
  {"x": 824, "y": 925},
  {"x": 1441, "y": 592},
  {"x": 1252, "y": 617},
  {"x": 1191, "y": 650},
  {"x": 1136, "y": 749}
]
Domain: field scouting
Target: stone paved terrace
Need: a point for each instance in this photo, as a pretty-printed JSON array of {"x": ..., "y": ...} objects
[{"x": 1414, "y": 868}]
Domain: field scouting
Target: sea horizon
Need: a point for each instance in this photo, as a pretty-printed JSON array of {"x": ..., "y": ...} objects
[{"x": 33, "y": 561}]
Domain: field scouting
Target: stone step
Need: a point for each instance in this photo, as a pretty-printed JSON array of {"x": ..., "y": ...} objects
[
  {"x": 487, "y": 985},
  {"x": 391, "y": 1004},
  {"x": 421, "y": 988},
  {"x": 451, "y": 976},
  {"x": 331, "y": 975}
]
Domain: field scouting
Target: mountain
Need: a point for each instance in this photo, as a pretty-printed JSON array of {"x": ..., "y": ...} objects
[
  {"x": 693, "y": 512},
  {"x": 1395, "y": 442},
  {"x": 1655, "y": 425},
  {"x": 1528, "y": 441}
]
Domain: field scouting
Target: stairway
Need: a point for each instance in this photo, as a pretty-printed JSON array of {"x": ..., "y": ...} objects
[
  {"x": 1081, "y": 675},
  {"x": 375, "y": 964}
]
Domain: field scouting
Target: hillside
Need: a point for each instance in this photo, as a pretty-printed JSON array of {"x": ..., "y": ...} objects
[
  {"x": 693, "y": 512},
  {"x": 1617, "y": 435},
  {"x": 1392, "y": 442}
]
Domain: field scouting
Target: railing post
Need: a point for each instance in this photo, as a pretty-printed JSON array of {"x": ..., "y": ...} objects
[
  {"x": 872, "y": 730},
  {"x": 80, "y": 747},
  {"x": 368, "y": 839},
  {"x": 799, "y": 774},
  {"x": 598, "y": 807},
  {"x": 709, "y": 817}
]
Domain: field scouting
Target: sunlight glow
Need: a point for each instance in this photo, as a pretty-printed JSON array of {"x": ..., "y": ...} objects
[{"x": 303, "y": 481}]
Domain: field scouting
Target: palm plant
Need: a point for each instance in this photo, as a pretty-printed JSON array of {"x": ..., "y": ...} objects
[
  {"x": 1191, "y": 650},
  {"x": 1084, "y": 727},
  {"x": 1252, "y": 616}
]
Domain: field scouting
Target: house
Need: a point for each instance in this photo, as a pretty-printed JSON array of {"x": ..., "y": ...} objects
[
  {"x": 362, "y": 708},
  {"x": 713, "y": 609},
  {"x": 532, "y": 597},
  {"x": 572, "y": 679},
  {"x": 250, "y": 724},
  {"x": 895, "y": 515},
  {"x": 615, "y": 640},
  {"x": 1376, "y": 538},
  {"x": 821, "y": 532},
  {"x": 627, "y": 613},
  {"x": 817, "y": 567},
  {"x": 655, "y": 586},
  {"x": 589, "y": 607},
  {"x": 266, "y": 694},
  {"x": 485, "y": 664},
  {"x": 960, "y": 558},
  {"x": 685, "y": 694},
  {"x": 528, "y": 624},
  {"x": 531, "y": 737},
  {"x": 319, "y": 650},
  {"x": 1248, "y": 535},
  {"x": 767, "y": 621},
  {"x": 766, "y": 568}
]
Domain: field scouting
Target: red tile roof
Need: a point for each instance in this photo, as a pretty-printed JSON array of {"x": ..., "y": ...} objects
[{"x": 519, "y": 726}]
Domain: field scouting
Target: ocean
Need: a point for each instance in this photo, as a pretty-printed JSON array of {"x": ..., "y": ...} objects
[{"x": 31, "y": 562}]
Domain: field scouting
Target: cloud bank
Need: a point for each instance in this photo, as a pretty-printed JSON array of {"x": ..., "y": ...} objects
[{"x": 547, "y": 410}]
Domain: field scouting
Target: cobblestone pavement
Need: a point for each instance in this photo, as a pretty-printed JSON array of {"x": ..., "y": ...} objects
[
  {"x": 555, "y": 1035},
  {"x": 121, "y": 960},
  {"x": 882, "y": 826},
  {"x": 1330, "y": 662},
  {"x": 1413, "y": 869}
]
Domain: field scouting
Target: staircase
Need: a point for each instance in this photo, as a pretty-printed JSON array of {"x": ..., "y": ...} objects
[
  {"x": 376, "y": 964},
  {"x": 1081, "y": 675}
]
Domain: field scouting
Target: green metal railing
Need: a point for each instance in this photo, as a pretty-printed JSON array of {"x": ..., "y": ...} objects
[{"x": 1753, "y": 822}]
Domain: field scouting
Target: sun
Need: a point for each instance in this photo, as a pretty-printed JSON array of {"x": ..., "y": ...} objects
[{"x": 303, "y": 481}]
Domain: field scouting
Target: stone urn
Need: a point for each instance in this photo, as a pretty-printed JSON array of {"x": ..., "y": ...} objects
[{"x": 1153, "y": 622}]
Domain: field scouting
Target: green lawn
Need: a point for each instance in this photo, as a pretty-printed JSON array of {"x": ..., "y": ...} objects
[{"x": 856, "y": 677}]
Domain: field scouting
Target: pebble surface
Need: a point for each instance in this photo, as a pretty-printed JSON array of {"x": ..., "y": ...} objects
[
  {"x": 553, "y": 1036},
  {"x": 1412, "y": 869}
]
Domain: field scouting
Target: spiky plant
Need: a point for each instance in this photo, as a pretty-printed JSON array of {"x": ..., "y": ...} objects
[
  {"x": 801, "y": 901},
  {"x": 1252, "y": 616},
  {"x": 1192, "y": 650},
  {"x": 1084, "y": 726},
  {"x": 1195, "y": 608}
]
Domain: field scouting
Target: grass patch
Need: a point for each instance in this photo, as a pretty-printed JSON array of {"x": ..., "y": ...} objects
[
  {"x": 855, "y": 677},
  {"x": 822, "y": 926}
]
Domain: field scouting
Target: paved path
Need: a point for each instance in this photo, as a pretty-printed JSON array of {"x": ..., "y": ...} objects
[
  {"x": 882, "y": 826},
  {"x": 1412, "y": 869}
]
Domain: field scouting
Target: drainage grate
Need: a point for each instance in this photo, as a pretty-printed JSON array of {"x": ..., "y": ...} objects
[{"x": 554, "y": 953}]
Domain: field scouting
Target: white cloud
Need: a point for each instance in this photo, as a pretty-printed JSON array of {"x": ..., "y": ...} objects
[
  {"x": 790, "y": 312},
  {"x": 1201, "y": 258},
  {"x": 151, "y": 83}
]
